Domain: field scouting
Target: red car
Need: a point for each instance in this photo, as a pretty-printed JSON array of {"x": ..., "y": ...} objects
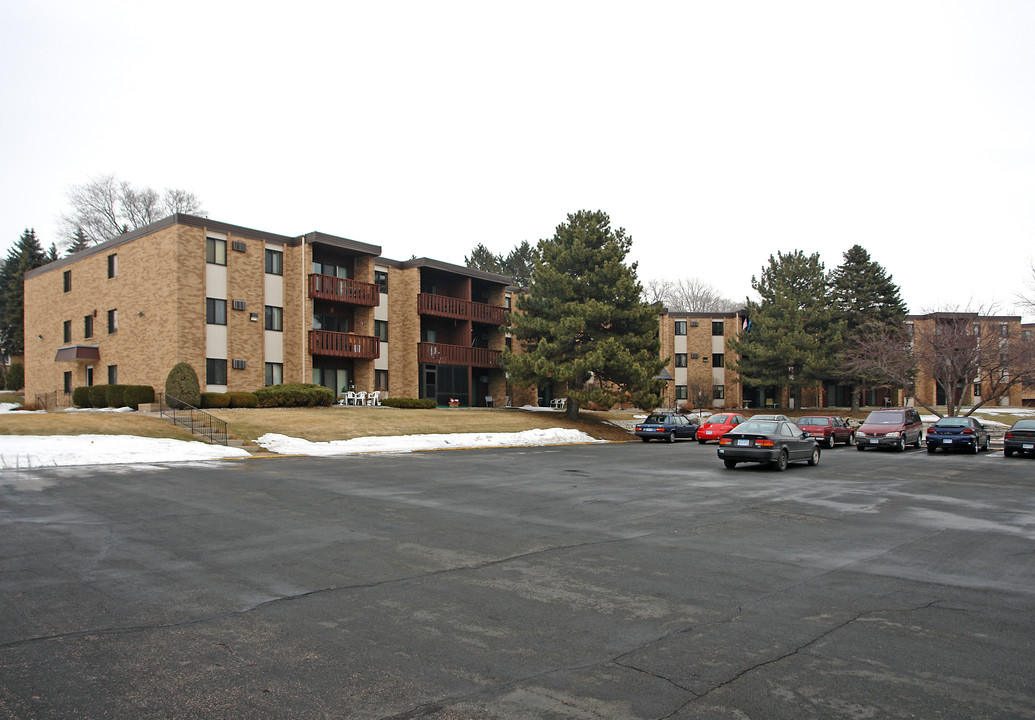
[
  {"x": 827, "y": 429},
  {"x": 718, "y": 425}
]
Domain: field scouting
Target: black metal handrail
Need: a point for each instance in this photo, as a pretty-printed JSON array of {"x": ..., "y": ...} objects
[
  {"x": 54, "y": 400},
  {"x": 198, "y": 422}
]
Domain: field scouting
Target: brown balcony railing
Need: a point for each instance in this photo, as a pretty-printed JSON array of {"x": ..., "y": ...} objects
[
  {"x": 450, "y": 307},
  {"x": 338, "y": 344},
  {"x": 457, "y": 355},
  {"x": 328, "y": 287}
]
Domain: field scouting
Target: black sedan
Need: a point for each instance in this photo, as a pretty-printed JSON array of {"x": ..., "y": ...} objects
[
  {"x": 768, "y": 441},
  {"x": 1020, "y": 438},
  {"x": 665, "y": 426},
  {"x": 957, "y": 433}
]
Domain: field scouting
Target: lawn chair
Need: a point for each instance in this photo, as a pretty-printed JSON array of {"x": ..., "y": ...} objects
[
  {"x": 350, "y": 398},
  {"x": 374, "y": 398},
  {"x": 361, "y": 398}
]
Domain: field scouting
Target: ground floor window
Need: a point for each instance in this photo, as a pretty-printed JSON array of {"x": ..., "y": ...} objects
[
  {"x": 381, "y": 380},
  {"x": 89, "y": 375},
  {"x": 337, "y": 379},
  {"x": 68, "y": 382},
  {"x": 681, "y": 391},
  {"x": 718, "y": 392},
  {"x": 215, "y": 371},
  {"x": 113, "y": 374},
  {"x": 443, "y": 383},
  {"x": 274, "y": 373}
]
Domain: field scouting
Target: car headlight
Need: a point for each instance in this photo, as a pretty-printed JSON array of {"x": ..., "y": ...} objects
[
  {"x": 860, "y": 434},
  {"x": 893, "y": 434}
]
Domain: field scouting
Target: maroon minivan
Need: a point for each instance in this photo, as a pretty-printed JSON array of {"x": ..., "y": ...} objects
[{"x": 890, "y": 428}]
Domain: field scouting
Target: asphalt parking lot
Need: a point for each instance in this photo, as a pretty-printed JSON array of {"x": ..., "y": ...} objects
[{"x": 599, "y": 581}]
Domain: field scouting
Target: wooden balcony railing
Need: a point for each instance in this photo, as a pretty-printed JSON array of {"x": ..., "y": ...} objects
[
  {"x": 450, "y": 307},
  {"x": 338, "y": 344},
  {"x": 457, "y": 355},
  {"x": 328, "y": 287}
]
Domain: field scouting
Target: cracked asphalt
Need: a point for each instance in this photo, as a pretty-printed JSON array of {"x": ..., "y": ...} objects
[{"x": 599, "y": 581}]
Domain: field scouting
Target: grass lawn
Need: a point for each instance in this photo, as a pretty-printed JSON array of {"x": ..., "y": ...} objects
[{"x": 89, "y": 423}]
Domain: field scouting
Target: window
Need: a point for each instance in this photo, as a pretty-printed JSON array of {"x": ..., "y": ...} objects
[
  {"x": 977, "y": 389},
  {"x": 381, "y": 380},
  {"x": 274, "y": 373},
  {"x": 274, "y": 318},
  {"x": 718, "y": 392},
  {"x": 215, "y": 371},
  {"x": 274, "y": 262},
  {"x": 215, "y": 251},
  {"x": 680, "y": 327},
  {"x": 68, "y": 382},
  {"x": 113, "y": 323},
  {"x": 88, "y": 326},
  {"x": 1004, "y": 330},
  {"x": 718, "y": 327},
  {"x": 113, "y": 265},
  {"x": 718, "y": 360},
  {"x": 330, "y": 269},
  {"x": 215, "y": 311},
  {"x": 680, "y": 392},
  {"x": 67, "y": 279},
  {"x": 89, "y": 376},
  {"x": 381, "y": 330},
  {"x": 113, "y": 374},
  {"x": 381, "y": 280},
  {"x": 680, "y": 359},
  {"x": 67, "y": 331},
  {"x": 694, "y": 323}
]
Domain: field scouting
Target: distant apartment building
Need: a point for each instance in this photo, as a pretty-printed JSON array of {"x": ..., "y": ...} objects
[
  {"x": 695, "y": 344},
  {"x": 248, "y": 308}
]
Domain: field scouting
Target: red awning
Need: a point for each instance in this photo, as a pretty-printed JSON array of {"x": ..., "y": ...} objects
[{"x": 78, "y": 352}]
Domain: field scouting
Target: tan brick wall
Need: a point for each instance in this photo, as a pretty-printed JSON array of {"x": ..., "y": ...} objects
[
  {"x": 403, "y": 332},
  {"x": 298, "y": 313},
  {"x": 246, "y": 273}
]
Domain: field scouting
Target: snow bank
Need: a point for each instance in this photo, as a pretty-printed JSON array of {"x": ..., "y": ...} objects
[{"x": 409, "y": 443}]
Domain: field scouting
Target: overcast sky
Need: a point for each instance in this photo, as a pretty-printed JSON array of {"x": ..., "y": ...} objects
[{"x": 716, "y": 133}]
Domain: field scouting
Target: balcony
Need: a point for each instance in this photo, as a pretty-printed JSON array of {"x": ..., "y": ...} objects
[
  {"x": 328, "y": 287},
  {"x": 347, "y": 345},
  {"x": 457, "y": 355},
  {"x": 457, "y": 309}
]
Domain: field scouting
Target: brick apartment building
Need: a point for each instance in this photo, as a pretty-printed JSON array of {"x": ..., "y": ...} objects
[{"x": 248, "y": 308}]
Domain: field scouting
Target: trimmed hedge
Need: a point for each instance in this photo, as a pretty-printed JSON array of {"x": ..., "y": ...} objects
[
  {"x": 410, "y": 403},
  {"x": 98, "y": 395},
  {"x": 15, "y": 376},
  {"x": 135, "y": 395},
  {"x": 114, "y": 395},
  {"x": 243, "y": 400},
  {"x": 215, "y": 400},
  {"x": 294, "y": 395},
  {"x": 81, "y": 397},
  {"x": 182, "y": 384}
]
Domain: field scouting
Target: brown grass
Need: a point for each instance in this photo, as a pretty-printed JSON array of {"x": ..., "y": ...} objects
[{"x": 88, "y": 423}]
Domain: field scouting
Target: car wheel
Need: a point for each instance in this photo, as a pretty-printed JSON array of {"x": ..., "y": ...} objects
[
  {"x": 671, "y": 436},
  {"x": 830, "y": 443},
  {"x": 700, "y": 440},
  {"x": 901, "y": 447},
  {"x": 645, "y": 439},
  {"x": 1007, "y": 452},
  {"x": 919, "y": 439},
  {"x": 814, "y": 458},
  {"x": 930, "y": 449},
  {"x": 850, "y": 440},
  {"x": 974, "y": 448},
  {"x": 730, "y": 464},
  {"x": 860, "y": 448},
  {"x": 781, "y": 462},
  {"x": 985, "y": 446}
]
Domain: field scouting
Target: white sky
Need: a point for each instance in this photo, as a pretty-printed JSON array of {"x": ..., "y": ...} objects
[{"x": 716, "y": 133}]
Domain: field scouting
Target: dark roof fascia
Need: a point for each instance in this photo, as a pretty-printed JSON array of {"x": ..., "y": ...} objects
[
  {"x": 701, "y": 315},
  {"x": 164, "y": 223},
  {"x": 343, "y": 243},
  {"x": 963, "y": 316},
  {"x": 458, "y": 270}
]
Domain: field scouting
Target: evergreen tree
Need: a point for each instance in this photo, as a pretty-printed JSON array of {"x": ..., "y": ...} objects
[
  {"x": 481, "y": 258},
  {"x": 25, "y": 255},
  {"x": 583, "y": 322},
  {"x": 794, "y": 331},
  {"x": 520, "y": 263},
  {"x": 79, "y": 241},
  {"x": 866, "y": 297}
]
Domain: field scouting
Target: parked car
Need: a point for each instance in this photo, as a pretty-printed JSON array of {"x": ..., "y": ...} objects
[
  {"x": 957, "y": 433},
  {"x": 718, "y": 425},
  {"x": 891, "y": 427},
  {"x": 1020, "y": 438},
  {"x": 778, "y": 418},
  {"x": 666, "y": 426},
  {"x": 768, "y": 441},
  {"x": 827, "y": 429}
]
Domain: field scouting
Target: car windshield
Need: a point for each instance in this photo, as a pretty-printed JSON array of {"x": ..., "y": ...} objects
[
  {"x": 758, "y": 427},
  {"x": 952, "y": 422},
  {"x": 884, "y": 417},
  {"x": 1024, "y": 425},
  {"x": 657, "y": 419},
  {"x": 814, "y": 421},
  {"x": 717, "y": 419}
]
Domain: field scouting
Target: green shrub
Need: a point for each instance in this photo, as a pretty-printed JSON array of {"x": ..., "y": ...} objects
[
  {"x": 215, "y": 400},
  {"x": 243, "y": 400},
  {"x": 182, "y": 385},
  {"x": 294, "y": 395},
  {"x": 98, "y": 396},
  {"x": 410, "y": 403},
  {"x": 16, "y": 376},
  {"x": 135, "y": 395},
  {"x": 81, "y": 397},
  {"x": 115, "y": 395}
]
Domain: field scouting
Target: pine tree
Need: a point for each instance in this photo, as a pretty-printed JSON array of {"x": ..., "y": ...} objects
[
  {"x": 868, "y": 301},
  {"x": 25, "y": 255},
  {"x": 481, "y": 258},
  {"x": 794, "y": 331},
  {"x": 79, "y": 241},
  {"x": 583, "y": 319},
  {"x": 520, "y": 263}
]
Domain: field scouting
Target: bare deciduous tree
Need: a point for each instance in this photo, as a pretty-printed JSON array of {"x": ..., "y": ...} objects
[
  {"x": 882, "y": 354},
  {"x": 106, "y": 207},
  {"x": 1027, "y": 300},
  {"x": 687, "y": 295}
]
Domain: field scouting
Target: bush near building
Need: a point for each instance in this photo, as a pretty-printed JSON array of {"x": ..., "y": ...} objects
[
  {"x": 410, "y": 403},
  {"x": 294, "y": 395}
]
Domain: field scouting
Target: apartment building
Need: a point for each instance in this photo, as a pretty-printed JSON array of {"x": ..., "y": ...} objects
[
  {"x": 695, "y": 344},
  {"x": 248, "y": 308}
]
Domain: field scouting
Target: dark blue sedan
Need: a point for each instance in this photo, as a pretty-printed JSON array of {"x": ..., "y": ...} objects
[
  {"x": 957, "y": 433},
  {"x": 665, "y": 426}
]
